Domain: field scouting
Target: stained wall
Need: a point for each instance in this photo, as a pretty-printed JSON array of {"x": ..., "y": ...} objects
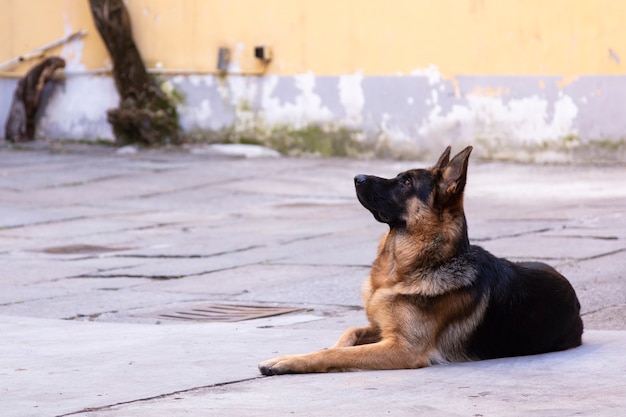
[{"x": 410, "y": 74}]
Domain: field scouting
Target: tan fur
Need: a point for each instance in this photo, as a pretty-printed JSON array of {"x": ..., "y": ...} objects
[
  {"x": 431, "y": 297},
  {"x": 419, "y": 311},
  {"x": 401, "y": 334}
]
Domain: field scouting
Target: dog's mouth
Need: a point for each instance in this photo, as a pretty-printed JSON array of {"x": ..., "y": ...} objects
[
  {"x": 364, "y": 200},
  {"x": 363, "y": 185},
  {"x": 380, "y": 216},
  {"x": 364, "y": 195},
  {"x": 372, "y": 194}
]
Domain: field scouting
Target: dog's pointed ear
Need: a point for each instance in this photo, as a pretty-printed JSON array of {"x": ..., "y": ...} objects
[
  {"x": 443, "y": 159},
  {"x": 454, "y": 176}
]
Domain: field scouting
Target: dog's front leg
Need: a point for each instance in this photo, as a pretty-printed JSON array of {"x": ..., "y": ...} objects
[
  {"x": 386, "y": 354},
  {"x": 358, "y": 336}
]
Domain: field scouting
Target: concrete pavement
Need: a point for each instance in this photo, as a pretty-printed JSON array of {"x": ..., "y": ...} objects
[{"x": 98, "y": 247}]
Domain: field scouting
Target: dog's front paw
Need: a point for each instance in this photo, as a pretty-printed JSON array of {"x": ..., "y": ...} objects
[{"x": 289, "y": 364}]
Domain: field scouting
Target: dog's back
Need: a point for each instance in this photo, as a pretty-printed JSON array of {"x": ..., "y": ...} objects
[{"x": 532, "y": 309}]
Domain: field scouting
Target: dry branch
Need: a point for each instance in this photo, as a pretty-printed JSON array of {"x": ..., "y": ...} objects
[
  {"x": 20, "y": 125},
  {"x": 145, "y": 114}
]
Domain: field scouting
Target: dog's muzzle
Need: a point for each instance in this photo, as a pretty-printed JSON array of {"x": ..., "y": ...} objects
[{"x": 360, "y": 179}]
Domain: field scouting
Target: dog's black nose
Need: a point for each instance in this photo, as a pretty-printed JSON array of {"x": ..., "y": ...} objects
[{"x": 360, "y": 179}]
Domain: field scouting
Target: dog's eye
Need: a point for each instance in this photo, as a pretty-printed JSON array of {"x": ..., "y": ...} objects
[{"x": 407, "y": 182}]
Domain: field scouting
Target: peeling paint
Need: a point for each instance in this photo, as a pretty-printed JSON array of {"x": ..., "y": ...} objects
[
  {"x": 307, "y": 107},
  {"x": 456, "y": 88},
  {"x": 352, "y": 98},
  {"x": 491, "y": 91},
  {"x": 199, "y": 115},
  {"x": 77, "y": 109},
  {"x": 523, "y": 121},
  {"x": 234, "y": 65},
  {"x": 196, "y": 80},
  {"x": 454, "y": 93},
  {"x": 393, "y": 133},
  {"x": 416, "y": 112},
  {"x": 431, "y": 73},
  {"x": 72, "y": 52},
  {"x": 566, "y": 80},
  {"x": 241, "y": 93}
]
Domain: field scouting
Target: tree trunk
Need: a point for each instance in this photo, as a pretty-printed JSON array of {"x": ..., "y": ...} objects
[
  {"x": 145, "y": 114},
  {"x": 20, "y": 125}
]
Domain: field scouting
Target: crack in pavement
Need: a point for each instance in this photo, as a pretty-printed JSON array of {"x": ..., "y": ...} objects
[
  {"x": 304, "y": 238},
  {"x": 81, "y": 183},
  {"x": 597, "y": 310},
  {"x": 125, "y": 229},
  {"x": 601, "y": 255},
  {"x": 152, "y": 277},
  {"x": 192, "y": 187},
  {"x": 278, "y": 262},
  {"x": 164, "y": 277},
  {"x": 583, "y": 237},
  {"x": 566, "y": 260},
  {"x": 157, "y": 256},
  {"x": 89, "y": 317},
  {"x": 75, "y": 218},
  {"x": 193, "y": 256},
  {"x": 158, "y": 397},
  {"x": 44, "y": 222},
  {"x": 529, "y": 232}
]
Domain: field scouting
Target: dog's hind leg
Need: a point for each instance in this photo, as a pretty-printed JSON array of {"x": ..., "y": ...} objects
[{"x": 358, "y": 336}]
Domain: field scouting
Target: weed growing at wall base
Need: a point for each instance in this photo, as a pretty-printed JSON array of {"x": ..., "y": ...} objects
[
  {"x": 325, "y": 141},
  {"x": 316, "y": 140}
]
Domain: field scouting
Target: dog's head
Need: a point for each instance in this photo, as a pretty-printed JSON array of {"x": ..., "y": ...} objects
[{"x": 417, "y": 199}]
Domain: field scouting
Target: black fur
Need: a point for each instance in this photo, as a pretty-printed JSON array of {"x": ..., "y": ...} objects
[
  {"x": 531, "y": 308},
  {"x": 432, "y": 297},
  {"x": 386, "y": 198}
]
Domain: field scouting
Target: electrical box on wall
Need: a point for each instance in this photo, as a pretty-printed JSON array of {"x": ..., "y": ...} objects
[
  {"x": 223, "y": 59},
  {"x": 263, "y": 52}
]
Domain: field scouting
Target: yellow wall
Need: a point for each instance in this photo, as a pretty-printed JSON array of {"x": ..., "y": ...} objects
[{"x": 332, "y": 37}]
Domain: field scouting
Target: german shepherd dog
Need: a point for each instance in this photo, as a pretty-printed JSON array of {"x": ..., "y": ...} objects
[{"x": 432, "y": 297}]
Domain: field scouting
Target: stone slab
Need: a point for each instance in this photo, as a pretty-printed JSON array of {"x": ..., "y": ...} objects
[{"x": 136, "y": 370}]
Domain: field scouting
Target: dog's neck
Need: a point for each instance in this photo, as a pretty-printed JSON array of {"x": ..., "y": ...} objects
[
  {"x": 428, "y": 246},
  {"x": 427, "y": 264}
]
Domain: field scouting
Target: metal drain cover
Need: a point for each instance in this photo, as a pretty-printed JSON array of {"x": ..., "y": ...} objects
[{"x": 223, "y": 312}]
